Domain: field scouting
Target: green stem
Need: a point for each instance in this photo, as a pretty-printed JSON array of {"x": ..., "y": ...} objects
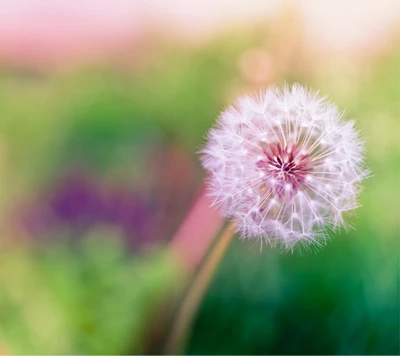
[{"x": 193, "y": 299}]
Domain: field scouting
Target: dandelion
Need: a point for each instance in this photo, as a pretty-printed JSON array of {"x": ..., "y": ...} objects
[{"x": 285, "y": 166}]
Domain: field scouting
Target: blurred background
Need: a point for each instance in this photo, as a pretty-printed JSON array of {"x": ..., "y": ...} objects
[{"x": 103, "y": 106}]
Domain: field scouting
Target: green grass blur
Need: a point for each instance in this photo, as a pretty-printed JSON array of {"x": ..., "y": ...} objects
[{"x": 90, "y": 292}]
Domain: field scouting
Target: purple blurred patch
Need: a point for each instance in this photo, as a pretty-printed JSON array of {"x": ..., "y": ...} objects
[{"x": 80, "y": 201}]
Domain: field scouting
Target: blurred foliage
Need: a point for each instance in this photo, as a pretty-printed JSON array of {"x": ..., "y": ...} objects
[
  {"x": 92, "y": 296},
  {"x": 74, "y": 295},
  {"x": 86, "y": 297}
]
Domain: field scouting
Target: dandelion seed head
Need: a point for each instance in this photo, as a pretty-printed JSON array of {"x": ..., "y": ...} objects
[{"x": 285, "y": 166}]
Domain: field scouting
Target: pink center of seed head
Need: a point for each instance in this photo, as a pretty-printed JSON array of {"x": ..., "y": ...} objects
[{"x": 284, "y": 168}]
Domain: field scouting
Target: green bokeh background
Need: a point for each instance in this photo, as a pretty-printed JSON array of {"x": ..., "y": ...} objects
[{"x": 94, "y": 295}]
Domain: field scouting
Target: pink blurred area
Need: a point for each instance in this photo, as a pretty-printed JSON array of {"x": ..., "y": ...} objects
[{"x": 43, "y": 32}]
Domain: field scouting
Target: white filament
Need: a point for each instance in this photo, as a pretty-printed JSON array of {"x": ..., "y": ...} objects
[{"x": 252, "y": 196}]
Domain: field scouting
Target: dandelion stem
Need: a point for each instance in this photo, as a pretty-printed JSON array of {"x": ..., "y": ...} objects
[{"x": 191, "y": 302}]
